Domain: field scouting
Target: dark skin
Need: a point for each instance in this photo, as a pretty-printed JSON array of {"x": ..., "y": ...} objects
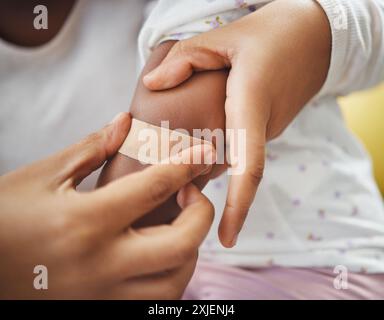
[
  {"x": 97, "y": 256},
  {"x": 183, "y": 107},
  {"x": 279, "y": 58},
  {"x": 16, "y": 21},
  {"x": 195, "y": 104}
]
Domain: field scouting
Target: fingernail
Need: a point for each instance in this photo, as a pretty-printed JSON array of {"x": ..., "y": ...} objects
[
  {"x": 187, "y": 195},
  {"x": 209, "y": 157},
  {"x": 208, "y": 160},
  {"x": 117, "y": 117},
  {"x": 234, "y": 240},
  {"x": 180, "y": 198}
]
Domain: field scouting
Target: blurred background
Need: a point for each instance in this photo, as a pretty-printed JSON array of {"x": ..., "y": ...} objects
[{"x": 364, "y": 113}]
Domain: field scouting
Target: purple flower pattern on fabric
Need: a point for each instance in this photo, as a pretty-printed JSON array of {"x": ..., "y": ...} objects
[{"x": 216, "y": 23}]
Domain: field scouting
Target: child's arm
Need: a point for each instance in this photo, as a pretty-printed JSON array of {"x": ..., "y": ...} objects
[{"x": 196, "y": 104}]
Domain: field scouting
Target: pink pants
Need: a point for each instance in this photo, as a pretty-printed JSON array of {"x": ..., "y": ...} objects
[{"x": 217, "y": 282}]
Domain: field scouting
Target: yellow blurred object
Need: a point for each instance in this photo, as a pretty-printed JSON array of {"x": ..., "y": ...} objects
[{"x": 364, "y": 113}]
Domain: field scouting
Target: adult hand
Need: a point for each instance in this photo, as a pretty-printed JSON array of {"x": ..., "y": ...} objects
[
  {"x": 279, "y": 58},
  {"x": 85, "y": 240}
]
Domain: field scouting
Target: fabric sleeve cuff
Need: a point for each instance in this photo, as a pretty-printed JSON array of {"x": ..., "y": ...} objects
[{"x": 337, "y": 13}]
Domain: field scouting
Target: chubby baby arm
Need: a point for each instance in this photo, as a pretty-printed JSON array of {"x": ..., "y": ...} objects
[{"x": 197, "y": 103}]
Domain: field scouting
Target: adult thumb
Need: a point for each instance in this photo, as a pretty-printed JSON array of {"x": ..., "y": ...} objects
[{"x": 81, "y": 159}]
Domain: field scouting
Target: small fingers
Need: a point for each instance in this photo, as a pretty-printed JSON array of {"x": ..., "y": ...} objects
[
  {"x": 241, "y": 194},
  {"x": 185, "y": 57},
  {"x": 246, "y": 109}
]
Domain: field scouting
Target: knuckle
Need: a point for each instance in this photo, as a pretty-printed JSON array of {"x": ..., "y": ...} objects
[
  {"x": 185, "y": 251},
  {"x": 93, "y": 144},
  {"x": 93, "y": 137},
  {"x": 185, "y": 47},
  {"x": 229, "y": 204},
  {"x": 180, "y": 47},
  {"x": 74, "y": 236},
  {"x": 96, "y": 139},
  {"x": 256, "y": 174},
  {"x": 160, "y": 190},
  {"x": 190, "y": 172},
  {"x": 240, "y": 208}
]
